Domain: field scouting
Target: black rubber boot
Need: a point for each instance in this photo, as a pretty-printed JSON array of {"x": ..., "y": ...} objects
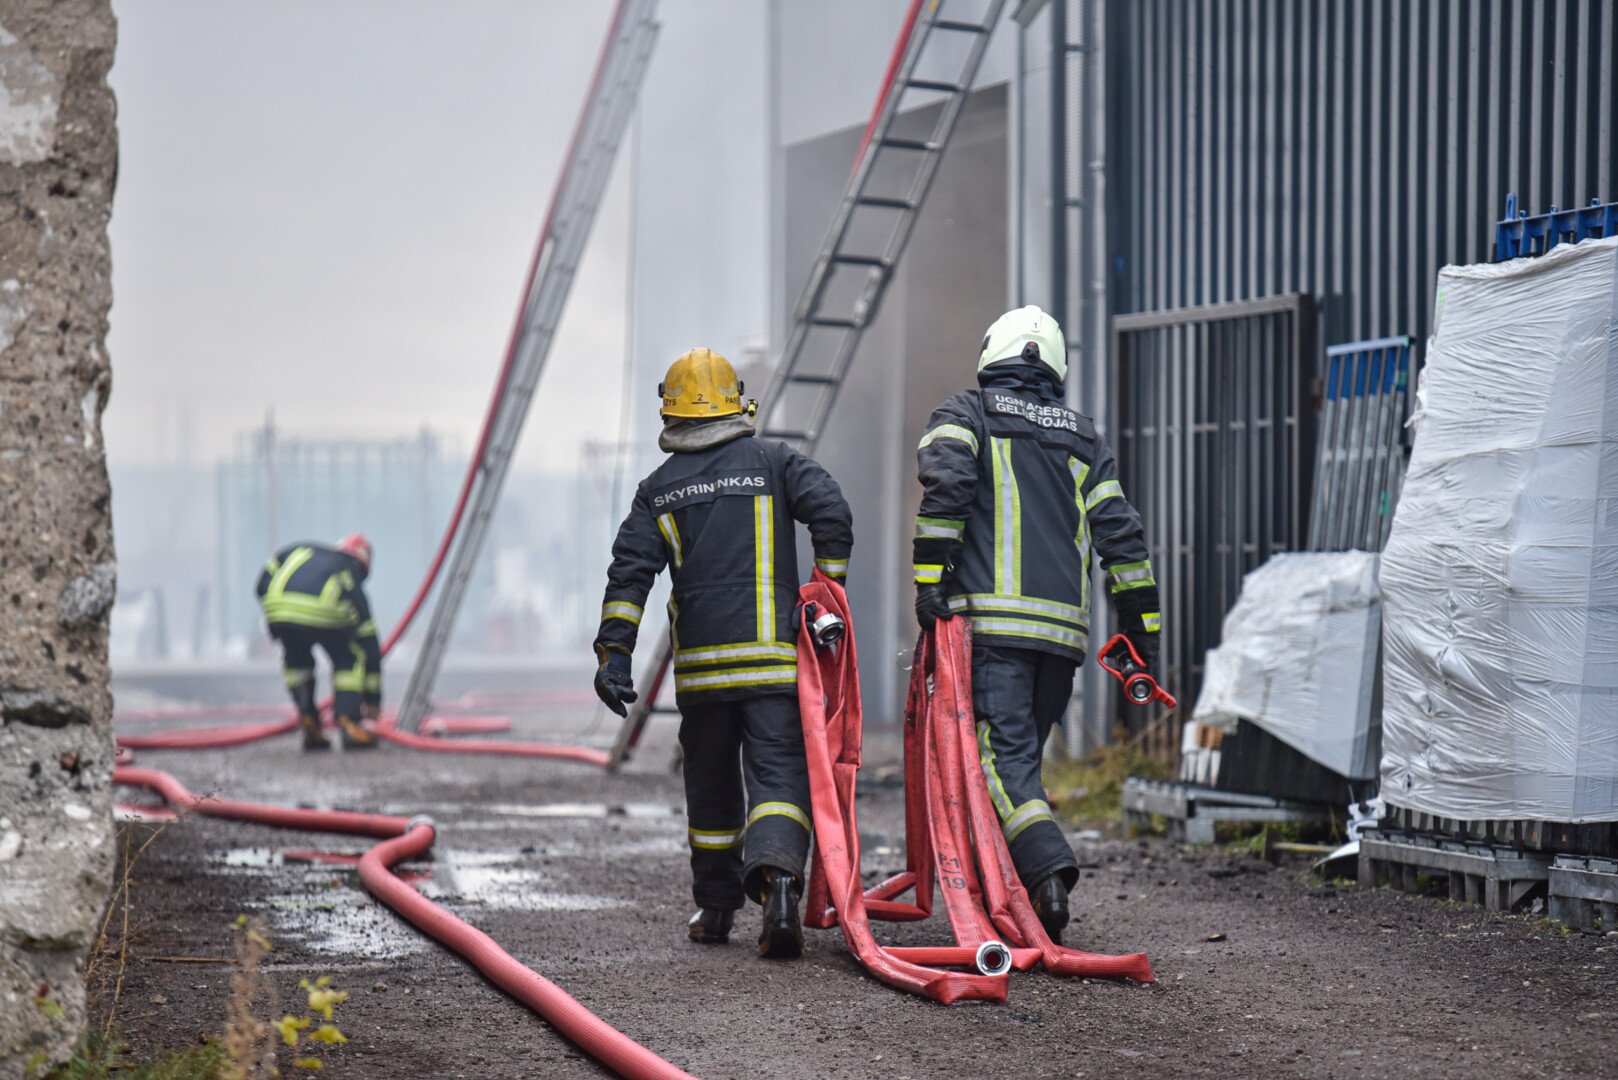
[
  {"x": 303, "y": 699},
  {"x": 710, "y": 926},
  {"x": 1049, "y": 898},
  {"x": 313, "y": 737},
  {"x": 355, "y": 735},
  {"x": 782, "y": 936}
]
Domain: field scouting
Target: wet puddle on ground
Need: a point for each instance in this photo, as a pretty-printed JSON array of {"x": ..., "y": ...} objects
[
  {"x": 321, "y": 903},
  {"x": 495, "y": 881}
]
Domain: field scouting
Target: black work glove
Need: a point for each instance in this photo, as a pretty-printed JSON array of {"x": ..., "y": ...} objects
[
  {"x": 615, "y": 681},
  {"x": 1146, "y": 646},
  {"x": 797, "y": 615},
  {"x": 931, "y": 605}
]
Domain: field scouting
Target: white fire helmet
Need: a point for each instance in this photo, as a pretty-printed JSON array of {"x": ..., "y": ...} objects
[{"x": 1025, "y": 335}]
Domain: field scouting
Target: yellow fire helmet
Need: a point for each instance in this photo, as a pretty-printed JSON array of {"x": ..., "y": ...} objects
[{"x": 701, "y": 384}]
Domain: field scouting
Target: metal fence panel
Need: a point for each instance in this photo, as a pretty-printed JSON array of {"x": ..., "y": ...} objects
[{"x": 1215, "y": 445}]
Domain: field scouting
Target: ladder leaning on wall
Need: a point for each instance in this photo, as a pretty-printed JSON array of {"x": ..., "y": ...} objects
[{"x": 929, "y": 77}]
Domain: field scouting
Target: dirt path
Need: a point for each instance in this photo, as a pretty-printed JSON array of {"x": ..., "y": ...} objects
[{"x": 584, "y": 877}]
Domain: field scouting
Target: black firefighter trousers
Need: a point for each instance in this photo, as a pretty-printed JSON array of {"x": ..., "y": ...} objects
[
  {"x": 298, "y": 665},
  {"x": 734, "y": 834},
  {"x": 1017, "y": 695}
]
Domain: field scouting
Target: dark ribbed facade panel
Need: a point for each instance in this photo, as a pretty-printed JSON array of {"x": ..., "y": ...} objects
[{"x": 1343, "y": 149}]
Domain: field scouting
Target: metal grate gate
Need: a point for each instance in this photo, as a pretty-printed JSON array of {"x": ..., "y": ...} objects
[{"x": 1215, "y": 445}]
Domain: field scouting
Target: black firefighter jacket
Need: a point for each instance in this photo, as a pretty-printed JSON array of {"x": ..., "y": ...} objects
[
  {"x": 721, "y": 519},
  {"x": 314, "y": 586},
  {"x": 1018, "y": 491}
]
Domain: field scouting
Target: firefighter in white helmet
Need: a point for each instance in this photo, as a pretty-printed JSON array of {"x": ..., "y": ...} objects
[
  {"x": 1017, "y": 492},
  {"x": 719, "y": 514}
]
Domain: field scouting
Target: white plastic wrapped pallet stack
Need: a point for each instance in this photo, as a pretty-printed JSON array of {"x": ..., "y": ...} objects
[
  {"x": 1297, "y": 657},
  {"x": 1500, "y": 577}
]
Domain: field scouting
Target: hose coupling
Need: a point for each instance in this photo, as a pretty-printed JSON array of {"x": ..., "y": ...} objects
[
  {"x": 828, "y": 629},
  {"x": 421, "y": 819},
  {"x": 993, "y": 958}
]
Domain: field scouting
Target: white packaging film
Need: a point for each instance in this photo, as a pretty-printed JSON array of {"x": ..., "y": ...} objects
[
  {"x": 1297, "y": 657},
  {"x": 1500, "y": 576}
]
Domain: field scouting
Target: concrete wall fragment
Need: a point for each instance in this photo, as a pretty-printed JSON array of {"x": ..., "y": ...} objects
[{"x": 58, "y": 166}]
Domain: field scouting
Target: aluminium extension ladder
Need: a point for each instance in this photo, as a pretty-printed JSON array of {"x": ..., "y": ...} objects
[
  {"x": 892, "y": 174},
  {"x": 579, "y": 191}
]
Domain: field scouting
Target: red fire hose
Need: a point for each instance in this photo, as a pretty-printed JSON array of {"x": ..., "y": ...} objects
[
  {"x": 829, "y": 700},
  {"x": 408, "y": 838},
  {"x": 950, "y": 823}
]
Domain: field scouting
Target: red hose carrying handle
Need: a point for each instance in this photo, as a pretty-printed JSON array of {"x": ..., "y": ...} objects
[{"x": 408, "y": 838}]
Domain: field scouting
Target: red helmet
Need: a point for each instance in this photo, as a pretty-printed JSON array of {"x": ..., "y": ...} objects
[{"x": 357, "y": 546}]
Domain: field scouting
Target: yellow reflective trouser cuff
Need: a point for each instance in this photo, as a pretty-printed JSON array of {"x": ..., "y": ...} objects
[
  {"x": 1153, "y": 622},
  {"x": 784, "y": 809},
  {"x": 296, "y": 677},
  {"x": 352, "y": 677},
  {"x": 1025, "y": 815},
  {"x": 715, "y": 840}
]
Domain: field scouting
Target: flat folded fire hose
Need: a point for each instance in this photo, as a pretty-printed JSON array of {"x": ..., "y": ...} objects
[{"x": 950, "y": 824}]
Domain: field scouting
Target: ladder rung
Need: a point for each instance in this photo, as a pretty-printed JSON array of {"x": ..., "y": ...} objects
[
  {"x": 934, "y": 84},
  {"x": 963, "y": 27},
  {"x": 814, "y": 380},
  {"x": 824, "y": 320},
  {"x": 863, "y": 260},
  {"x": 887, "y": 201},
  {"x": 909, "y": 144}
]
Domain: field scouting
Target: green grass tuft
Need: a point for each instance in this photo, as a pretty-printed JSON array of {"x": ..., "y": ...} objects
[
  {"x": 100, "y": 1058},
  {"x": 1090, "y": 791}
]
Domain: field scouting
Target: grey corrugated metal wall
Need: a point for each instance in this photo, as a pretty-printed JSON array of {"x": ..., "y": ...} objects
[{"x": 1344, "y": 149}]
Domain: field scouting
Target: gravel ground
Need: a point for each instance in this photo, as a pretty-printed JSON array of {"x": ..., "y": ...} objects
[{"x": 584, "y": 878}]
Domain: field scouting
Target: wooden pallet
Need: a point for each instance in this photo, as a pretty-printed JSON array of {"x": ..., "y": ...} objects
[
  {"x": 1583, "y": 890},
  {"x": 1501, "y": 879},
  {"x": 1193, "y": 810}
]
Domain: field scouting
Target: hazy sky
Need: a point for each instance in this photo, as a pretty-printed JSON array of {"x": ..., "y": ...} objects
[{"x": 327, "y": 208}]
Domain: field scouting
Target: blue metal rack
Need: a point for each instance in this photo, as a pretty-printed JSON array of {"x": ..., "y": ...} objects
[{"x": 1518, "y": 235}]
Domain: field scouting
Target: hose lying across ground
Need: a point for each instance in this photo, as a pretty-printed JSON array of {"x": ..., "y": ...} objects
[
  {"x": 409, "y": 838},
  {"x": 950, "y": 828}
]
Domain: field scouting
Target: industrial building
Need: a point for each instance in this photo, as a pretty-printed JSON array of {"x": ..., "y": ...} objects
[{"x": 1233, "y": 178}]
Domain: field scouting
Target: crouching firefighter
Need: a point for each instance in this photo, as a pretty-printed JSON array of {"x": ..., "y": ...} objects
[
  {"x": 1018, "y": 490},
  {"x": 719, "y": 514},
  {"x": 312, "y": 596}
]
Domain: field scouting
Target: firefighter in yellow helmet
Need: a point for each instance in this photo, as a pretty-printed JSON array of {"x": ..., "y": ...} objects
[{"x": 719, "y": 514}]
